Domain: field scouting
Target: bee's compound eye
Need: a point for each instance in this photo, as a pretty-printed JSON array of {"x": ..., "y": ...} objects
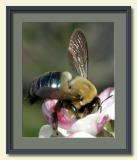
[{"x": 94, "y": 105}]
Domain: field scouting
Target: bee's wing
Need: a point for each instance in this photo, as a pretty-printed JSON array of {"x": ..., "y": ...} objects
[{"x": 78, "y": 50}]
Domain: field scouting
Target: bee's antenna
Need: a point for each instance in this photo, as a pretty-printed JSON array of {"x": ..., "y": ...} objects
[{"x": 106, "y": 99}]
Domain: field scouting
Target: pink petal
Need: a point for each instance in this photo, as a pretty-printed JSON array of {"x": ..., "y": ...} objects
[
  {"x": 106, "y": 93},
  {"x": 50, "y": 104},
  {"x": 102, "y": 122},
  {"x": 108, "y": 106},
  {"x": 48, "y": 107},
  {"x": 45, "y": 112},
  {"x": 87, "y": 124},
  {"x": 91, "y": 124},
  {"x": 64, "y": 119}
]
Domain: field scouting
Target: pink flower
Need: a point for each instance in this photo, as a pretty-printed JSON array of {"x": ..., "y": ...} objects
[
  {"x": 64, "y": 120},
  {"x": 86, "y": 127}
]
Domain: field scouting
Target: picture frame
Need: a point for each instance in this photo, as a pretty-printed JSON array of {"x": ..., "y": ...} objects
[{"x": 15, "y": 143}]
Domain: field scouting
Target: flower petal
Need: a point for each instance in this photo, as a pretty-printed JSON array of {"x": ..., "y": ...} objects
[
  {"x": 64, "y": 119},
  {"x": 108, "y": 105},
  {"x": 50, "y": 104},
  {"x": 106, "y": 93},
  {"x": 87, "y": 124},
  {"x": 63, "y": 131},
  {"x": 45, "y": 131},
  {"x": 101, "y": 123},
  {"x": 46, "y": 112}
]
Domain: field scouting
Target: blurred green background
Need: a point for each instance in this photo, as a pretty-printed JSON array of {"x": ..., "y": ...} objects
[{"x": 45, "y": 49}]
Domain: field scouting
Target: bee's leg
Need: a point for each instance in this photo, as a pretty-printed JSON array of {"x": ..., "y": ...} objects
[
  {"x": 55, "y": 124},
  {"x": 55, "y": 118}
]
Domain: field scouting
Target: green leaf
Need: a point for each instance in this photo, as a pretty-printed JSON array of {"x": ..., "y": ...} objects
[
  {"x": 104, "y": 133},
  {"x": 109, "y": 126}
]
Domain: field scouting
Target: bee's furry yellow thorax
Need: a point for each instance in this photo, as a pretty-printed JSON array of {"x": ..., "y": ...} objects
[{"x": 85, "y": 88}]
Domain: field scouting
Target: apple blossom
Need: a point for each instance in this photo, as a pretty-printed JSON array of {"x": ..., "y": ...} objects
[{"x": 87, "y": 127}]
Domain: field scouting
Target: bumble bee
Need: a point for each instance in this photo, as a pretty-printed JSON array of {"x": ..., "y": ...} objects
[{"x": 77, "y": 94}]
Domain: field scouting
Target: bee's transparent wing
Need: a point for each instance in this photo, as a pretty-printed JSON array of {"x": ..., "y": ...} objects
[{"x": 78, "y": 50}]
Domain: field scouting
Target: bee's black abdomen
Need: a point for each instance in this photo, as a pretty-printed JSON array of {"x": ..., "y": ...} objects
[
  {"x": 51, "y": 79},
  {"x": 45, "y": 86}
]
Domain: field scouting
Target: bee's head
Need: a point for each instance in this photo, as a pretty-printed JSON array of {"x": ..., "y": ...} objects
[{"x": 82, "y": 90}]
